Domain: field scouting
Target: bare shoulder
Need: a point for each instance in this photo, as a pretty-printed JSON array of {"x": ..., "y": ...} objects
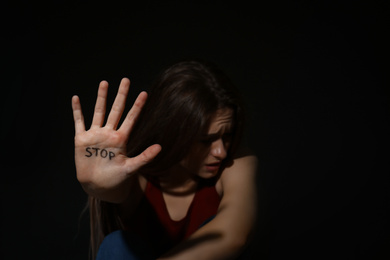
[
  {"x": 238, "y": 207},
  {"x": 245, "y": 165},
  {"x": 249, "y": 161},
  {"x": 239, "y": 174}
]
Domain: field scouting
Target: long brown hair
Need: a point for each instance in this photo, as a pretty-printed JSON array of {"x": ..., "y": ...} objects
[{"x": 179, "y": 108}]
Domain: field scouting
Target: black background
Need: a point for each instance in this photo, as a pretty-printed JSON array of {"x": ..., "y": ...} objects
[{"x": 314, "y": 81}]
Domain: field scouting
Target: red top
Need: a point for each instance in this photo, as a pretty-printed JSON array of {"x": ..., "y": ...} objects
[{"x": 153, "y": 223}]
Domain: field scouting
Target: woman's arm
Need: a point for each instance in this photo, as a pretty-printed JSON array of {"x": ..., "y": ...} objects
[{"x": 227, "y": 234}]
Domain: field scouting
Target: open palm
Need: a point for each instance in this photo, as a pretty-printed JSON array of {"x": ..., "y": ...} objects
[{"x": 100, "y": 153}]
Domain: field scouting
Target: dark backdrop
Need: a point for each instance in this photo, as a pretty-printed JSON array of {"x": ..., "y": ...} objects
[{"x": 313, "y": 82}]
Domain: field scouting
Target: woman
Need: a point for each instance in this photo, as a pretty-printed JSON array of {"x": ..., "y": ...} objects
[{"x": 170, "y": 175}]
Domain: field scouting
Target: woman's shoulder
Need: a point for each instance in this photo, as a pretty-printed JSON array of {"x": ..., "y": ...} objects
[
  {"x": 243, "y": 166},
  {"x": 245, "y": 154},
  {"x": 244, "y": 158}
]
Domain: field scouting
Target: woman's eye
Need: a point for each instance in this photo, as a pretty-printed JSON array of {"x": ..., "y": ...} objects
[
  {"x": 209, "y": 139},
  {"x": 206, "y": 141},
  {"x": 227, "y": 137}
]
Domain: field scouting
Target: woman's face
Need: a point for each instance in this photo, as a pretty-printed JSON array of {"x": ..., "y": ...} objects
[{"x": 207, "y": 154}]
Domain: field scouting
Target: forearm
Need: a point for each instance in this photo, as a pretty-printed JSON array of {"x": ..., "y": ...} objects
[
  {"x": 217, "y": 248},
  {"x": 213, "y": 241},
  {"x": 227, "y": 234}
]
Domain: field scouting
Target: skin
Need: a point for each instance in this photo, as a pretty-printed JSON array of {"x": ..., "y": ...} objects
[
  {"x": 227, "y": 234},
  {"x": 114, "y": 178},
  {"x": 180, "y": 182},
  {"x": 108, "y": 179}
]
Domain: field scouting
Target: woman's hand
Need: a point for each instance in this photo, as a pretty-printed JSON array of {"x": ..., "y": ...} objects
[{"x": 102, "y": 165}]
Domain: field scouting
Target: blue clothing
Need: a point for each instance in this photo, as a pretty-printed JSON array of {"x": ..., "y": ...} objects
[{"x": 121, "y": 245}]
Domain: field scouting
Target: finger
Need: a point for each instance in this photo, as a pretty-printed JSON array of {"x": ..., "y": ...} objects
[
  {"x": 119, "y": 104},
  {"x": 77, "y": 115},
  {"x": 133, "y": 114},
  {"x": 133, "y": 164},
  {"x": 100, "y": 106}
]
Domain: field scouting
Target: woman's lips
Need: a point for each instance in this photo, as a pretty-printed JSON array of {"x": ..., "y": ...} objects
[{"x": 212, "y": 167}]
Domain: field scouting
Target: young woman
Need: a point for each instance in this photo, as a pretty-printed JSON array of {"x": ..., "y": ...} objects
[{"x": 168, "y": 183}]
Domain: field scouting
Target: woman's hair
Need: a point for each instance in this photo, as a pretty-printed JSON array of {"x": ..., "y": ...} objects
[
  {"x": 180, "y": 105},
  {"x": 179, "y": 108}
]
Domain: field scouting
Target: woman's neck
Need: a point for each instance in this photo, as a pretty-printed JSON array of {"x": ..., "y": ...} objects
[{"x": 178, "y": 181}]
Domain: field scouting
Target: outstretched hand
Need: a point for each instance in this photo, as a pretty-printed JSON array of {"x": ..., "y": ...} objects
[{"x": 100, "y": 153}]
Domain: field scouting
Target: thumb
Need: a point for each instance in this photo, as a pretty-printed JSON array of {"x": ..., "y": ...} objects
[{"x": 144, "y": 158}]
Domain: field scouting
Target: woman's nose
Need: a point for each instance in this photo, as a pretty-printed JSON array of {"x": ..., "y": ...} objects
[{"x": 218, "y": 149}]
